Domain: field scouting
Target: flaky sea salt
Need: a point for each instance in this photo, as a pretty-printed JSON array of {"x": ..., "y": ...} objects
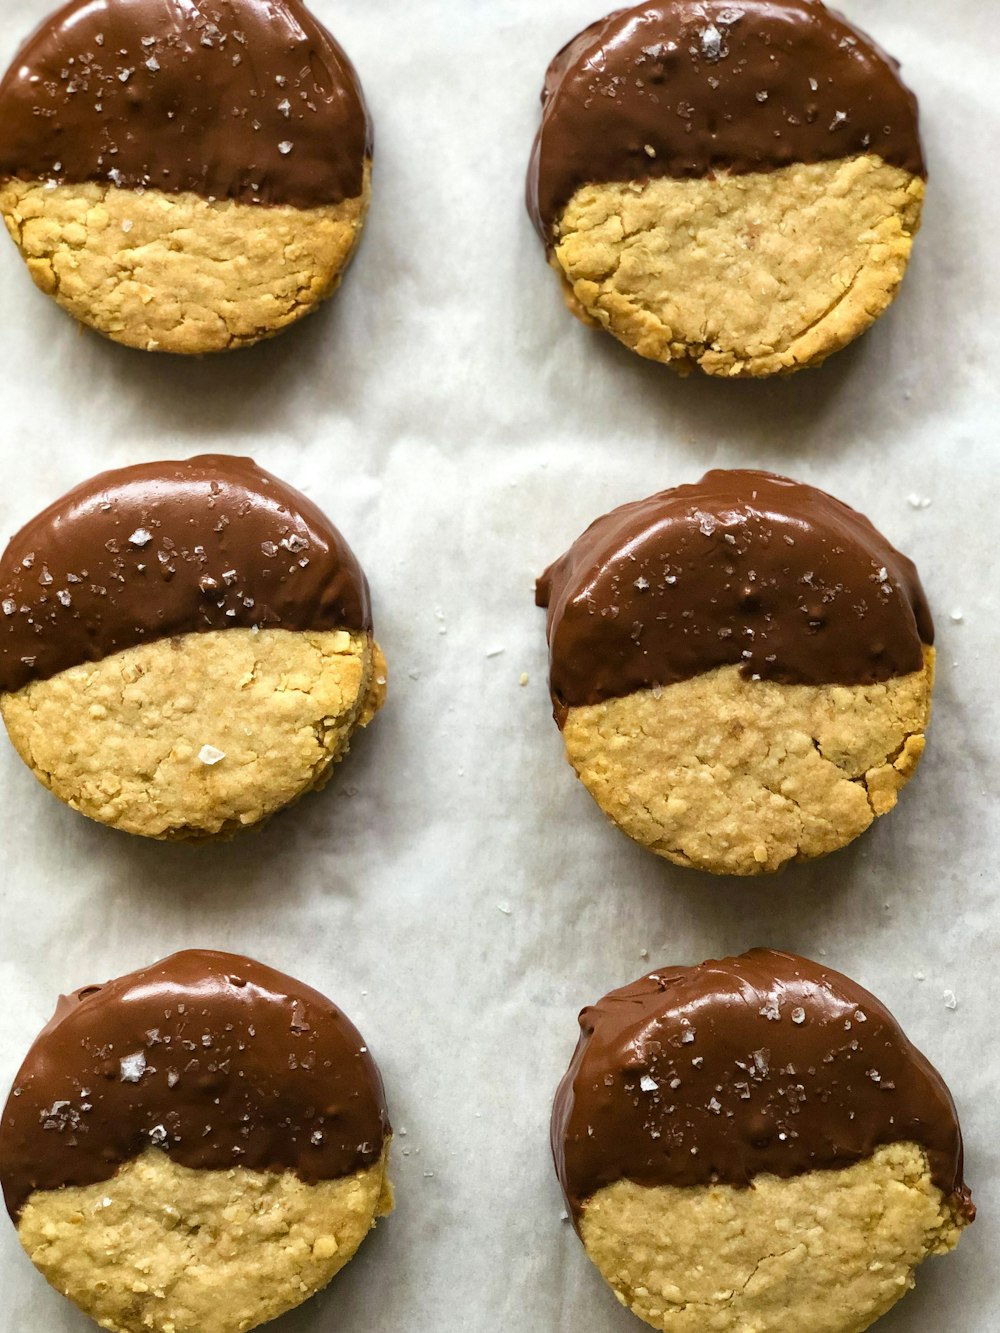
[
  {"x": 208, "y": 754},
  {"x": 711, "y": 42},
  {"x": 648, "y": 1084},
  {"x": 133, "y": 1067}
]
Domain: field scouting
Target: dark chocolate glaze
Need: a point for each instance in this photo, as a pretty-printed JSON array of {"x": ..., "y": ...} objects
[
  {"x": 214, "y": 1059},
  {"x": 686, "y": 88},
  {"x": 159, "y": 549},
  {"x": 250, "y": 100},
  {"x": 743, "y": 568},
  {"x": 766, "y": 1064}
]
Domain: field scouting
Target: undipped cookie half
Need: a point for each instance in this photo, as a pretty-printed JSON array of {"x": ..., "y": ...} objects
[
  {"x": 754, "y": 1144},
  {"x": 185, "y": 647},
  {"x": 184, "y": 175},
  {"x": 733, "y": 187},
  {"x": 196, "y": 1147},
  {"x": 742, "y": 670}
]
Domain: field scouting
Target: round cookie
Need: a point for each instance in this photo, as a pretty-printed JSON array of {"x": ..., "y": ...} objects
[
  {"x": 196, "y": 1147},
  {"x": 729, "y": 187},
  {"x": 742, "y": 670},
  {"x": 185, "y": 647},
  {"x": 184, "y": 177},
  {"x": 753, "y": 1144}
]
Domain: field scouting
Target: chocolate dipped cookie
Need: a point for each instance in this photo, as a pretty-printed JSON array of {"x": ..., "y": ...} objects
[
  {"x": 754, "y": 1144},
  {"x": 184, "y": 175},
  {"x": 742, "y": 670},
  {"x": 185, "y": 647},
  {"x": 196, "y": 1147},
  {"x": 732, "y": 187}
]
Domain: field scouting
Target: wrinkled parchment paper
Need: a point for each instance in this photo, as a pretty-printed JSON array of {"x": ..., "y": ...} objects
[{"x": 455, "y": 889}]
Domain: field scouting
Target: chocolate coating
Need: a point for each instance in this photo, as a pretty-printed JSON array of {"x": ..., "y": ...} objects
[
  {"x": 685, "y": 88},
  {"x": 159, "y": 549},
  {"x": 743, "y": 568},
  {"x": 251, "y": 100},
  {"x": 762, "y": 1064},
  {"x": 214, "y": 1059}
]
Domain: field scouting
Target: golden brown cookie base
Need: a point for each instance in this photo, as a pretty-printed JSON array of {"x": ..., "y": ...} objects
[
  {"x": 160, "y": 1248},
  {"x": 739, "y": 777},
  {"x": 739, "y": 276},
  {"x": 176, "y": 272},
  {"x": 120, "y": 740},
  {"x": 827, "y": 1252}
]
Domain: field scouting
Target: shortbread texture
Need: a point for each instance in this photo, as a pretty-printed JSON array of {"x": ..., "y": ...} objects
[
  {"x": 740, "y": 777},
  {"x": 201, "y": 735},
  {"x": 827, "y": 1252},
  {"x": 161, "y": 1248},
  {"x": 176, "y": 272},
  {"x": 741, "y": 275}
]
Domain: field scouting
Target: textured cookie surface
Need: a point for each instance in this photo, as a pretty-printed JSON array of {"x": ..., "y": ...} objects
[
  {"x": 729, "y": 187},
  {"x": 742, "y": 669},
  {"x": 746, "y": 275},
  {"x": 195, "y": 1147},
  {"x": 740, "y": 777},
  {"x": 176, "y": 272},
  {"x": 826, "y": 1252},
  {"x": 172, "y": 1250},
  {"x": 184, "y": 177},
  {"x": 135, "y": 739},
  {"x": 753, "y": 1145}
]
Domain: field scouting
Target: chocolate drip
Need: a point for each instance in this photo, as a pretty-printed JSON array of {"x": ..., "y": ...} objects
[
  {"x": 686, "y": 88},
  {"x": 250, "y": 100},
  {"x": 169, "y": 548},
  {"x": 216, "y": 1060},
  {"x": 762, "y": 1064},
  {"x": 743, "y": 568}
]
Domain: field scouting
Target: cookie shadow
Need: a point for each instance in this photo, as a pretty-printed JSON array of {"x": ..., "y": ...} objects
[
  {"x": 207, "y": 397},
  {"x": 232, "y": 887},
  {"x": 880, "y": 383},
  {"x": 821, "y": 909}
]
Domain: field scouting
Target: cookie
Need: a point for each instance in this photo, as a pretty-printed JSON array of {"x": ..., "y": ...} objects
[
  {"x": 185, "y": 647},
  {"x": 184, "y": 177},
  {"x": 733, "y": 188},
  {"x": 196, "y": 1147},
  {"x": 742, "y": 670},
  {"x": 753, "y": 1144}
]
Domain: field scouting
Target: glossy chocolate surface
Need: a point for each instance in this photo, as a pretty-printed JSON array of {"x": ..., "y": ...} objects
[
  {"x": 214, "y": 1059},
  {"x": 741, "y": 569},
  {"x": 762, "y": 1064},
  {"x": 160, "y": 549},
  {"x": 250, "y": 100},
  {"x": 686, "y": 88}
]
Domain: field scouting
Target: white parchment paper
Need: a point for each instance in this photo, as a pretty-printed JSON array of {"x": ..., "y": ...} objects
[{"x": 455, "y": 889}]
